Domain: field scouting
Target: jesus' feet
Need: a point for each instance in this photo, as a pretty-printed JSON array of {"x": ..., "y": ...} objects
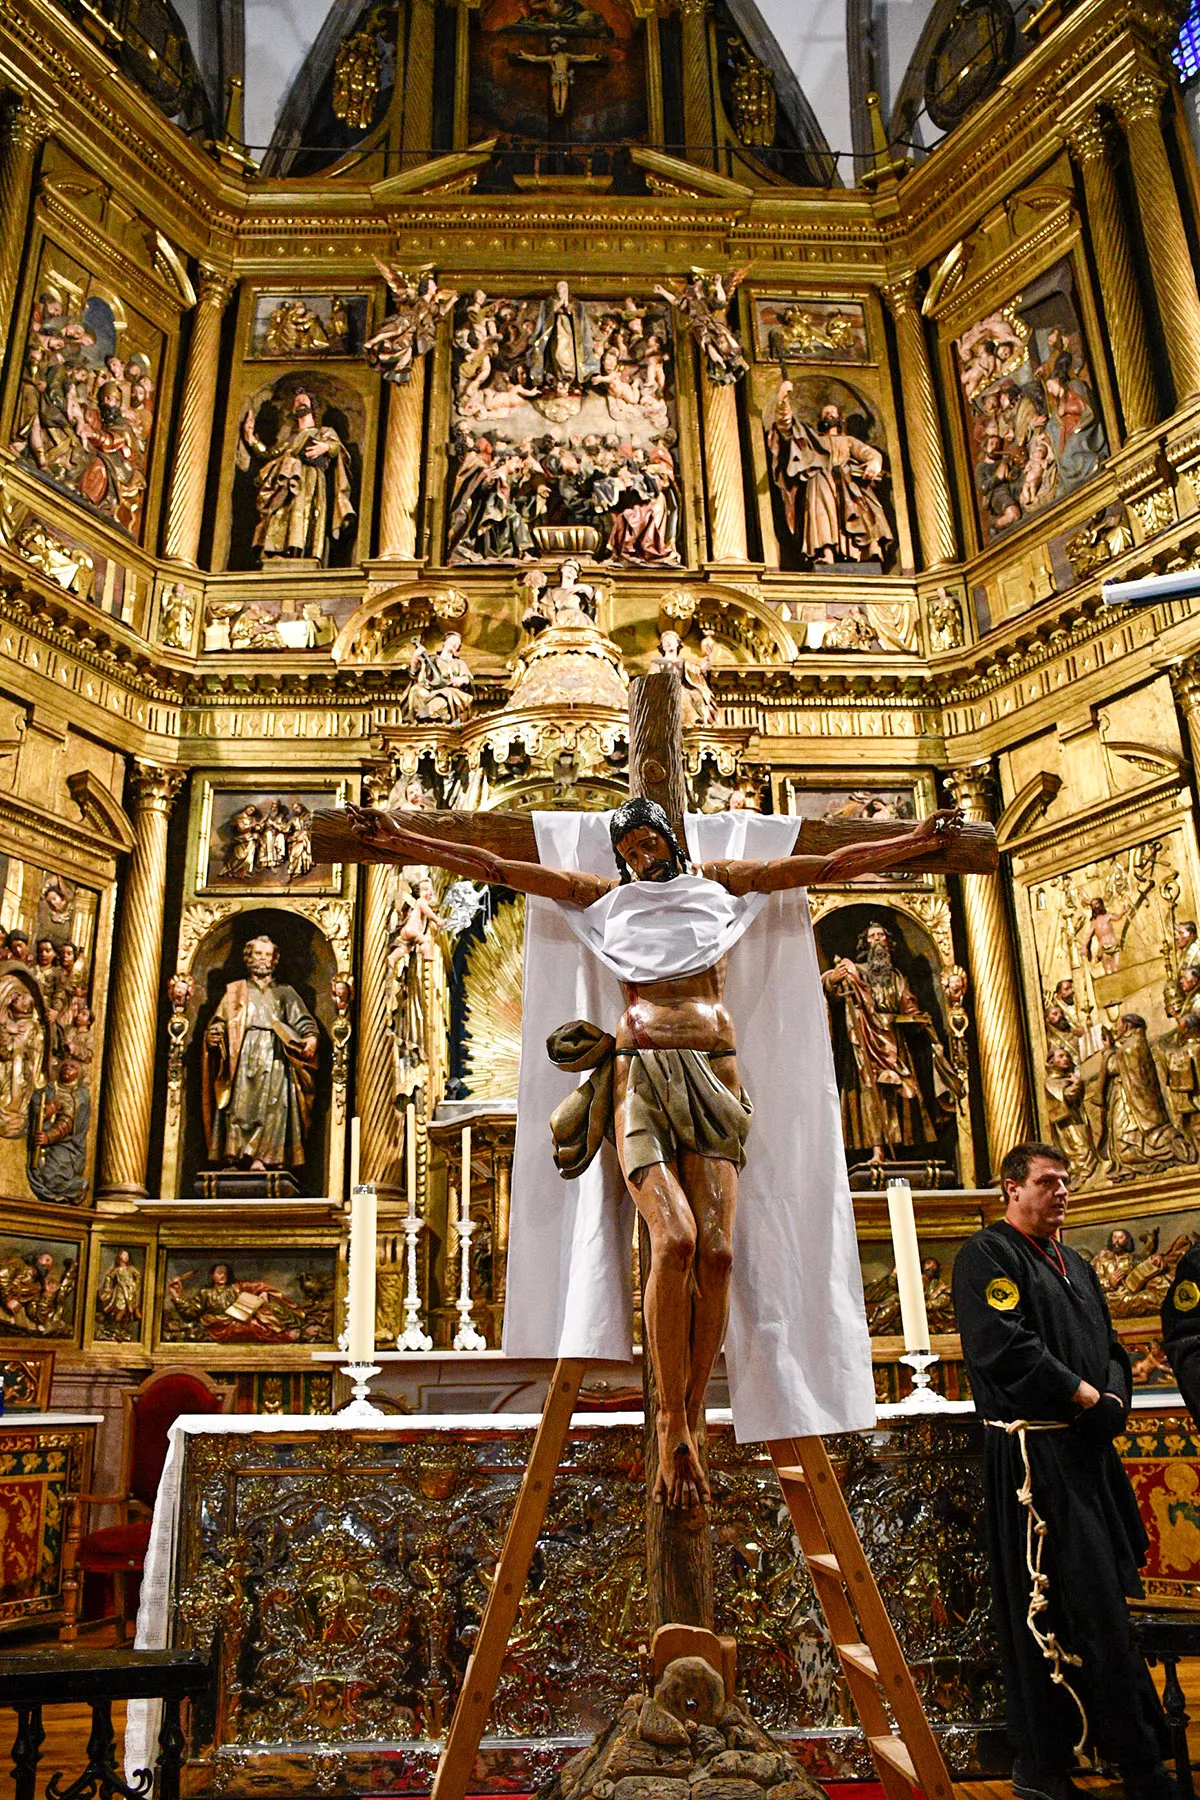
[{"x": 681, "y": 1480}]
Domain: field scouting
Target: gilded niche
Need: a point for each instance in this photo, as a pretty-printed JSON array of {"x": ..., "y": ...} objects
[{"x": 548, "y": 75}]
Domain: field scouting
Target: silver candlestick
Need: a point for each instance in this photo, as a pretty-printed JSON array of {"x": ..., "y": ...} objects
[
  {"x": 466, "y": 1337},
  {"x": 413, "y": 1336},
  {"x": 924, "y": 1397},
  {"x": 360, "y": 1411}
]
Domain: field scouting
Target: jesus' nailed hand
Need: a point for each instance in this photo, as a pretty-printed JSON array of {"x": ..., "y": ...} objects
[{"x": 679, "y": 1157}]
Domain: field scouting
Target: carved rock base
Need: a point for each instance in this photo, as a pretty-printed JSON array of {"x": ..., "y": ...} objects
[{"x": 687, "y": 1738}]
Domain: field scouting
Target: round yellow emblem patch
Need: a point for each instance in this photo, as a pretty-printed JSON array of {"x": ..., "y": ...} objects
[
  {"x": 1004, "y": 1294},
  {"x": 1187, "y": 1296}
]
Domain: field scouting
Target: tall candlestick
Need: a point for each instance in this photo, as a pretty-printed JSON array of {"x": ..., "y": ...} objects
[
  {"x": 913, "y": 1321},
  {"x": 410, "y": 1149},
  {"x": 464, "y": 1191},
  {"x": 361, "y": 1339},
  {"x": 355, "y": 1151}
]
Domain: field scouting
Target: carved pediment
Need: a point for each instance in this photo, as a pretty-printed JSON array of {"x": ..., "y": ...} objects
[{"x": 101, "y": 809}]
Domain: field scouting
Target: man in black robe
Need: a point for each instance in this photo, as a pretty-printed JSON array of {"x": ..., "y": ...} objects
[
  {"x": 1181, "y": 1328},
  {"x": 1040, "y": 1348}
]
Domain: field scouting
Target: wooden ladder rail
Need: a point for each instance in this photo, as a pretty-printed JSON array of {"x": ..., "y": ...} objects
[
  {"x": 906, "y": 1758},
  {"x": 457, "y": 1761}
]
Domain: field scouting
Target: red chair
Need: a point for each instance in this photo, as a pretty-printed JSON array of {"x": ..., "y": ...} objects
[{"x": 119, "y": 1550}]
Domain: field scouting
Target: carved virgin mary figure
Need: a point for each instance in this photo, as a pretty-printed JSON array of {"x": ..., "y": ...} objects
[{"x": 260, "y": 1056}]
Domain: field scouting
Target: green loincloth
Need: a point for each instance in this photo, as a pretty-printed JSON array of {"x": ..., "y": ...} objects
[{"x": 673, "y": 1101}]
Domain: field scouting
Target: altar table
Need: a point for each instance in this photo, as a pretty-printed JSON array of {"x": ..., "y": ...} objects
[{"x": 344, "y": 1571}]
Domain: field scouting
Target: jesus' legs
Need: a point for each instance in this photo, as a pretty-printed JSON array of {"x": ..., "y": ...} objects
[
  {"x": 667, "y": 1303},
  {"x": 711, "y": 1187}
]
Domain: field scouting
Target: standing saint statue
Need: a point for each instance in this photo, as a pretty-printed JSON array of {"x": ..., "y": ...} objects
[
  {"x": 260, "y": 1058},
  {"x": 827, "y": 480},
  {"x": 882, "y": 1103},
  {"x": 664, "y": 1071},
  {"x": 303, "y": 483}
]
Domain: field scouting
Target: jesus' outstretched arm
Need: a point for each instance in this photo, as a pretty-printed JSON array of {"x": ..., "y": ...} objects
[
  {"x": 385, "y": 832},
  {"x": 921, "y": 848}
]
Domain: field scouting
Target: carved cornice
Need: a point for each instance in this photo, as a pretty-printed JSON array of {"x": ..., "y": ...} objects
[{"x": 92, "y": 640}]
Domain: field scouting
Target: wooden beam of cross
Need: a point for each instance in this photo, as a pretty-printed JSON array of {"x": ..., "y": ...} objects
[{"x": 678, "y": 1542}]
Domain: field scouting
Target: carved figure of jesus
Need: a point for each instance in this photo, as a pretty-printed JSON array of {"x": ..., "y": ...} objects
[
  {"x": 680, "y": 1117},
  {"x": 561, "y": 66}
]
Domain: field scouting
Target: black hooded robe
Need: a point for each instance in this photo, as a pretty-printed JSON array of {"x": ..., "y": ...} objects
[
  {"x": 1181, "y": 1329},
  {"x": 1029, "y": 1336}
]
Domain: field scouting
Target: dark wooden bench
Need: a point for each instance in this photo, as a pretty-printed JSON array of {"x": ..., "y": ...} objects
[
  {"x": 1164, "y": 1634},
  {"x": 96, "y": 1678}
]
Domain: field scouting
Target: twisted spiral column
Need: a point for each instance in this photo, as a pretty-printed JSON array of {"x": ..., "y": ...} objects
[
  {"x": 698, "y": 128},
  {"x": 26, "y": 127},
  {"x": 1138, "y": 104},
  {"x": 400, "y": 492},
  {"x": 125, "y": 1148},
  {"x": 931, "y": 483},
  {"x": 418, "y": 84},
  {"x": 1118, "y": 280},
  {"x": 723, "y": 461},
  {"x": 1006, "y": 1101},
  {"x": 380, "y": 1125},
  {"x": 189, "y": 480},
  {"x": 1185, "y": 682}
]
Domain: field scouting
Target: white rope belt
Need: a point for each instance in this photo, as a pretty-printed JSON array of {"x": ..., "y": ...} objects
[{"x": 1039, "y": 1583}]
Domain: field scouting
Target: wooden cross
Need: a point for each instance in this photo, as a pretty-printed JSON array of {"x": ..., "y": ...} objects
[{"x": 678, "y": 1542}]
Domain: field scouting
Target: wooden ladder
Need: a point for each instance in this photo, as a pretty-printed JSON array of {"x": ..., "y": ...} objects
[
  {"x": 908, "y": 1759},
  {"x": 906, "y": 1756}
]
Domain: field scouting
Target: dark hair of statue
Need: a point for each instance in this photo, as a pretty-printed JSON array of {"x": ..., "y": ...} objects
[
  {"x": 634, "y": 815},
  {"x": 1021, "y": 1158}
]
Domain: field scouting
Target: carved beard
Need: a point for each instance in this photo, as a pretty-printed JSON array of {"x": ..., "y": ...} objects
[{"x": 879, "y": 962}]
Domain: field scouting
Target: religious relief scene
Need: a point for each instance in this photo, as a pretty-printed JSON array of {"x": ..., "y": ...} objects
[
  {"x": 1035, "y": 428},
  {"x": 600, "y": 899},
  {"x": 85, "y": 407},
  {"x": 1121, "y": 1088},
  {"x": 563, "y": 430}
]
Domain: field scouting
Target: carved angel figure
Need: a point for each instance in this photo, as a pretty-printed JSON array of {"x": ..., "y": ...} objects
[
  {"x": 410, "y": 331},
  {"x": 703, "y": 300}
]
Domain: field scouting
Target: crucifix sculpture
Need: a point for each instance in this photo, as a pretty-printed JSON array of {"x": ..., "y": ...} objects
[{"x": 679, "y": 1116}]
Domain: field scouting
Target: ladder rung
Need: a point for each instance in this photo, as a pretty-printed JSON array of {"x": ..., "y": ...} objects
[
  {"x": 894, "y": 1751},
  {"x": 791, "y": 1473},
  {"x": 824, "y": 1562},
  {"x": 859, "y": 1657}
]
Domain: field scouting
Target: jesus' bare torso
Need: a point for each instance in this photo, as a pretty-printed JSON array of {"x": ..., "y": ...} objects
[{"x": 686, "y": 1195}]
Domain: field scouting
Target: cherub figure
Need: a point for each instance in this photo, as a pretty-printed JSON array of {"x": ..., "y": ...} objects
[
  {"x": 411, "y": 330},
  {"x": 702, "y": 301}
]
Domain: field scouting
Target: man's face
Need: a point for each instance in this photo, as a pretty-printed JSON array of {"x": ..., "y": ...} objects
[
  {"x": 830, "y": 418},
  {"x": 1038, "y": 1205},
  {"x": 45, "y": 954},
  {"x": 647, "y": 854},
  {"x": 220, "y": 1275},
  {"x": 68, "y": 1072},
  {"x": 1065, "y": 991},
  {"x": 1061, "y": 1060},
  {"x": 877, "y": 941},
  {"x": 1184, "y": 935},
  {"x": 261, "y": 958}
]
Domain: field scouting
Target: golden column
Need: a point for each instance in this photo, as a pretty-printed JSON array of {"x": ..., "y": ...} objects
[
  {"x": 1118, "y": 280},
  {"x": 698, "y": 126},
  {"x": 185, "y": 507},
  {"x": 723, "y": 459},
  {"x": 136, "y": 1003},
  {"x": 381, "y": 1125},
  {"x": 400, "y": 491},
  {"x": 1185, "y": 680},
  {"x": 26, "y": 128},
  {"x": 1138, "y": 104},
  {"x": 999, "y": 1036},
  {"x": 931, "y": 484},
  {"x": 418, "y": 85}
]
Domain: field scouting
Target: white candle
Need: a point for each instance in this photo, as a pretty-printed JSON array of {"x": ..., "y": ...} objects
[
  {"x": 410, "y": 1147},
  {"x": 908, "y": 1266},
  {"x": 361, "y": 1341},
  {"x": 465, "y": 1189},
  {"x": 355, "y": 1152}
]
